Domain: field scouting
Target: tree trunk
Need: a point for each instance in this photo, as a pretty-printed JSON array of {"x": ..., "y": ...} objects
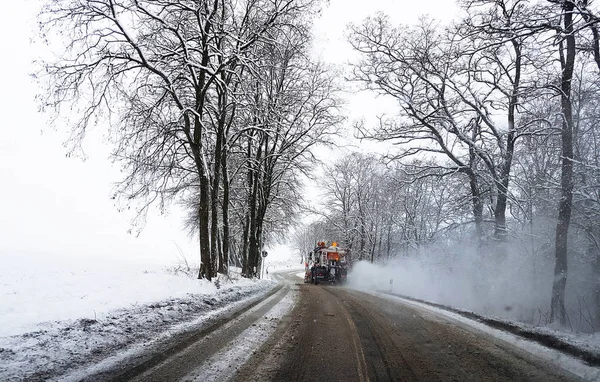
[
  {"x": 476, "y": 199},
  {"x": 259, "y": 258},
  {"x": 206, "y": 267},
  {"x": 361, "y": 219},
  {"x": 477, "y": 208},
  {"x": 203, "y": 204},
  {"x": 389, "y": 239},
  {"x": 253, "y": 229},
  {"x": 203, "y": 228},
  {"x": 225, "y": 212},
  {"x": 362, "y": 239},
  {"x": 246, "y": 271},
  {"x": 500, "y": 233},
  {"x": 245, "y": 240},
  {"x": 500, "y": 230},
  {"x": 373, "y": 237},
  {"x": 215, "y": 191},
  {"x": 380, "y": 239},
  {"x": 597, "y": 290},
  {"x": 565, "y": 204},
  {"x": 220, "y": 253}
]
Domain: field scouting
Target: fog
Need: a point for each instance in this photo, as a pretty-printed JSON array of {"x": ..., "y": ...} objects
[{"x": 516, "y": 285}]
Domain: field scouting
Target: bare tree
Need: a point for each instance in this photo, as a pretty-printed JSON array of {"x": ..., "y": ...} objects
[
  {"x": 452, "y": 86},
  {"x": 415, "y": 67},
  {"x": 380, "y": 211},
  {"x": 567, "y": 63},
  {"x": 292, "y": 106},
  {"x": 154, "y": 68}
]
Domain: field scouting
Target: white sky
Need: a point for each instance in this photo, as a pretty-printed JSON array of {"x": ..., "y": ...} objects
[
  {"x": 58, "y": 206},
  {"x": 332, "y": 45}
]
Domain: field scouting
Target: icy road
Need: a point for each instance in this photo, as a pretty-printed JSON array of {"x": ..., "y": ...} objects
[{"x": 303, "y": 332}]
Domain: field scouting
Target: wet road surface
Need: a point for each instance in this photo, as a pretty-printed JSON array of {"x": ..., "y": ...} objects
[{"x": 338, "y": 334}]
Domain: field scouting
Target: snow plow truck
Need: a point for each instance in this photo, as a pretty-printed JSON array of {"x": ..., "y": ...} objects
[{"x": 327, "y": 264}]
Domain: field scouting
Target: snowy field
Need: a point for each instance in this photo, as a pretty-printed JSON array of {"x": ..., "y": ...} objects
[
  {"x": 59, "y": 314},
  {"x": 36, "y": 289}
]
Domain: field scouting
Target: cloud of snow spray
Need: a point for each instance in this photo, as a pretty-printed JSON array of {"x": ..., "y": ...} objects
[{"x": 515, "y": 285}]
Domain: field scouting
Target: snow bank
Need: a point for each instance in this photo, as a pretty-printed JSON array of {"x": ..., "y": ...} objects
[{"x": 57, "y": 314}]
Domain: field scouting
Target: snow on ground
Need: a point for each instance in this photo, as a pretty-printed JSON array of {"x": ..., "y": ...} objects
[
  {"x": 280, "y": 258},
  {"x": 224, "y": 364},
  {"x": 57, "y": 314},
  {"x": 38, "y": 289}
]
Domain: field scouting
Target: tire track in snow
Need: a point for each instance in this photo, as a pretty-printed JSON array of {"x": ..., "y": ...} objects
[{"x": 224, "y": 364}]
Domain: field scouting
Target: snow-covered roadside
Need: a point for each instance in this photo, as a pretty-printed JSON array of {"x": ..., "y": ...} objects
[
  {"x": 521, "y": 336},
  {"x": 57, "y": 317},
  {"x": 61, "y": 346},
  {"x": 280, "y": 259}
]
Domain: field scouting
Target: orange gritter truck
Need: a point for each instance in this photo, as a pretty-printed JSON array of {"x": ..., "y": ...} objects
[{"x": 327, "y": 264}]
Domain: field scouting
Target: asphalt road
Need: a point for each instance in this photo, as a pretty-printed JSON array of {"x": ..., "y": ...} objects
[
  {"x": 338, "y": 334},
  {"x": 193, "y": 360}
]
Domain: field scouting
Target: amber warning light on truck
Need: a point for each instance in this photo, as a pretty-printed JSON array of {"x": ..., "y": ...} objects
[{"x": 327, "y": 264}]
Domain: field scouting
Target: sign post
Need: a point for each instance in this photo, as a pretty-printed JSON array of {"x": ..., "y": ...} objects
[{"x": 264, "y": 255}]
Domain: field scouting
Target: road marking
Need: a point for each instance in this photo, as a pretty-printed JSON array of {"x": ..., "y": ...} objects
[{"x": 361, "y": 362}]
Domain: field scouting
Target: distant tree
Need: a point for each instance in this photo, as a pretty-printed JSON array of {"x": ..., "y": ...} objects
[
  {"x": 380, "y": 211},
  {"x": 305, "y": 237}
]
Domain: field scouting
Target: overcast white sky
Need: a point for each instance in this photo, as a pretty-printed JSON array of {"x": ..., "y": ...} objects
[{"x": 59, "y": 206}]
